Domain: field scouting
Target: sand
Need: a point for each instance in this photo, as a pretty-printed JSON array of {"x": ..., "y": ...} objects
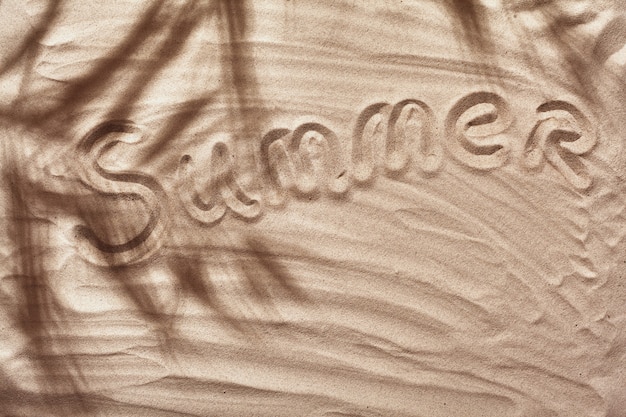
[{"x": 313, "y": 208}]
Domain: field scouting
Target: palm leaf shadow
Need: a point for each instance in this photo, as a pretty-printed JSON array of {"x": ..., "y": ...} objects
[{"x": 39, "y": 314}]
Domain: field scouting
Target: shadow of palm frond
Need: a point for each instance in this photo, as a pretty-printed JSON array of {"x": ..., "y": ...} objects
[
  {"x": 162, "y": 28},
  {"x": 565, "y": 27},
  {"x": 471, "y": 24},
  {"x": 39, "y": 315},
  {"x": 267, "y": 275},
  {"x": 28, "y": 46},
  {"x": 257, "y": 284},
  {"x": 584, "y": 39},
  {"x": 238, "y": 62}
]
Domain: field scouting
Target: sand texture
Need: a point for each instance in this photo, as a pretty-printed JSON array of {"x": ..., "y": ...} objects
[{"x": 313, "y": 208}]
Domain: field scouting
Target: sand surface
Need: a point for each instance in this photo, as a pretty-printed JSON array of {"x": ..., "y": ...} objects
[{"x": 313, "y": 208}]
